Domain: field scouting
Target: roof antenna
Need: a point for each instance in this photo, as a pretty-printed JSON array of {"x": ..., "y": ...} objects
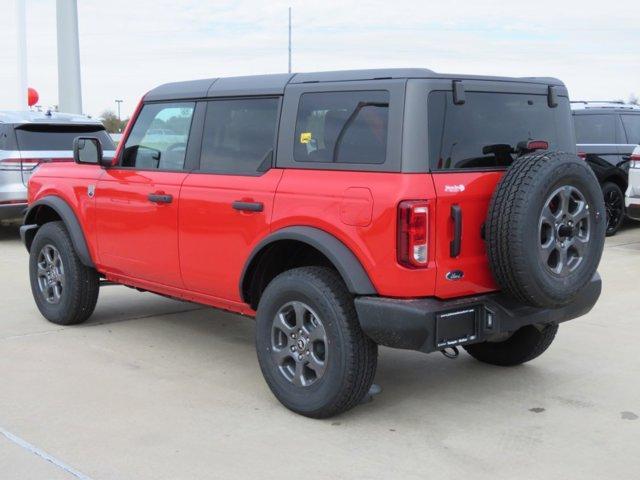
[{"x": 289, "y": 39}]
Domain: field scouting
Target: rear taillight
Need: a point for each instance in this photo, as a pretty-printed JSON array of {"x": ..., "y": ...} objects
[
  {"x": 19, "y": 164},
  {"x": 582, "y": 155},
  {"x": 413, "y": 233},
  {"x": 634, "y": 160}
]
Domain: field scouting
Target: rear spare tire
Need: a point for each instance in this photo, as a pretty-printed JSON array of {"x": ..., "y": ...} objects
[{"x": 545, "y": 228}]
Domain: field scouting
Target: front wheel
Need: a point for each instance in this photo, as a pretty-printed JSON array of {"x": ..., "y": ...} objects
[
  {"x": 524, "y": 345},
  {"x": 311, "y": 349},
  {"x": 65, "y": 290}
]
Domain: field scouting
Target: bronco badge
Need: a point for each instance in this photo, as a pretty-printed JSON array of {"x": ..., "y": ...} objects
[{"x": 454, "y": 275}]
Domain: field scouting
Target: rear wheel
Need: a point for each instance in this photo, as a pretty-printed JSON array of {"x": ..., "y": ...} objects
[
  {"x": 64, "y": 289},
  {"x": 524, "y": 345},
  {"x": 311, "y": 350},
  {"x": 614, "y": 207}
]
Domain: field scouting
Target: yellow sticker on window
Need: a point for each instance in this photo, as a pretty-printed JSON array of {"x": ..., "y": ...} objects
[{"x": 305, "y": 137}]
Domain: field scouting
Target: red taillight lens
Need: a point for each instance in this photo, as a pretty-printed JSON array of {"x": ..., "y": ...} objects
[
  {"x": 582, "y": 155},
  {"x": 413, "y": 233},
  {"x": 634, "y": 160},
  {"x": 537, "y": 145}
]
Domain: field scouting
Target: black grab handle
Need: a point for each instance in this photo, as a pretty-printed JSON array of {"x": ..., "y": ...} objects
[
  {"x": 456, "y": 243},
  {"x": 247, "y": 206},
  {"x": 160, "y": 198}
]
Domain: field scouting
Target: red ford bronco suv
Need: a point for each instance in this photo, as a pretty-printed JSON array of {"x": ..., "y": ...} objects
[{"x": 344, "y": 210}]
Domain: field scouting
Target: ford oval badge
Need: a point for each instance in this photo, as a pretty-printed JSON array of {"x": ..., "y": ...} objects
[{"x": 455, "y": 275}]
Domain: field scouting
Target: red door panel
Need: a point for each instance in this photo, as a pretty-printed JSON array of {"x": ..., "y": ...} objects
[
  {"x": 216, "y": 238},
  {"x": 468, "y": 273},
  {"x": 137, "y": 236}
]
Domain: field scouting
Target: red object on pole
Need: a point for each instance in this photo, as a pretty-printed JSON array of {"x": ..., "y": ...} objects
[{"x": 32, "y": 96}]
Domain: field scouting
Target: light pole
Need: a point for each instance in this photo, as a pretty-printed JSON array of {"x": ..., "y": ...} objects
[
  {"x": 69, "y": 85},
  {"x": 289, "y": 39},
  {"x": 21, "y": 46},
  {"x": 119, "y": 102}
]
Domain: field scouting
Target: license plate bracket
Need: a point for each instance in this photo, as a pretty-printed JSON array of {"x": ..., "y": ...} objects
[{"x": 456, "y": 327}]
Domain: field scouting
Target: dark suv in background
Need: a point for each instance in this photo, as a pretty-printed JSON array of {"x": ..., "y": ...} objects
[{"x": 607, "y": 133}]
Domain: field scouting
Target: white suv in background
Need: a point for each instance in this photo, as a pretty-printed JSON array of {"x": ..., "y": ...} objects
[
  {"x": 29, "y": 138},
  {"x": 632, "y": 200}
]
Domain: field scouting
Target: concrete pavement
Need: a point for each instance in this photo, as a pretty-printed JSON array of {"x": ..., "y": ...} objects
[{"x": 153, "y": 388}]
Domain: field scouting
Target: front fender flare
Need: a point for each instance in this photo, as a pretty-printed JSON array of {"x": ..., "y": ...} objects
[
  {"x": 68, "y": 217},
  {"x": 344, "y": 260}
]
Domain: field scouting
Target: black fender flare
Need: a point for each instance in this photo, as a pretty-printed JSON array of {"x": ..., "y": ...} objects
[
  {"x": 349, "y": 267},
  {"x": 66, "y": 213}
]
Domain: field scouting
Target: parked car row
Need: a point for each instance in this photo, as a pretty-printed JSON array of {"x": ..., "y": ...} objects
[
  {"x": 30, "y": 138},
  {"x": 607, "y": 133}
]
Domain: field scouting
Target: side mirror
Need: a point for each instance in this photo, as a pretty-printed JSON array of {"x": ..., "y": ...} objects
[{"x": 88, "y": 150}]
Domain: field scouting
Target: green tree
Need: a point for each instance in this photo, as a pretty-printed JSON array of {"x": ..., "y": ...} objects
[{"x": 112, "y": 123}]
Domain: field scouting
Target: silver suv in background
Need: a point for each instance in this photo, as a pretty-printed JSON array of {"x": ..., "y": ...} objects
[
  {"x": 28, "y": 138},
  {"x": 632, "y": 200}
]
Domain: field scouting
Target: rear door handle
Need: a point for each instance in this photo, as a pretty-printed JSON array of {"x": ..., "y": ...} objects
[
  {"x": 160, "y": 198},
  {"x": 456, "y": 243},
  {"x": 248, "y": 206}
]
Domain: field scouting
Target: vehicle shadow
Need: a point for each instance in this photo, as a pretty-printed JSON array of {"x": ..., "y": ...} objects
[
  {"x": 9, "y": 232},
  {"x": 409, "y": 380}
]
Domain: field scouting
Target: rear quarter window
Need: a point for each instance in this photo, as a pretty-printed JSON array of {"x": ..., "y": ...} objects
[
  {"x": 632, "y": 127},
  {"x": 342, "y": 127}
]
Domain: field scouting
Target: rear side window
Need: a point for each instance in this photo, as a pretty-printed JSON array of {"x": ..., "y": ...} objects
[
  {"x": 58, "y": 137},
  {"x": 632, "y": 127},
  {"x": 342, "y": 127},
  {"x": 485, "y": 131},
  {"x": 239, "y": 135},
  {"x": 595, "y": 128},
  {"x": 158, "y": 139}
]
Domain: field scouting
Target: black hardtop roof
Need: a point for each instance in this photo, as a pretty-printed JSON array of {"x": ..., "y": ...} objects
[{"x": 274, "y": 84}]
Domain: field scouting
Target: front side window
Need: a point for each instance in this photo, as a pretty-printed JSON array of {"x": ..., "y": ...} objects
[
  {"x": 632, "y": 127},
  {"x": 158, "y": 139},
  {"x": 342, "y": 127},
  {"x": 239, "y": 135},
  {"x": 487, "y": 130},
  {"x": 592, "y": 129}
]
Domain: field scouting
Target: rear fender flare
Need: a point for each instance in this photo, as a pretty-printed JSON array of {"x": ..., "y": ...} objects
[{"x": 342, "y": 258}]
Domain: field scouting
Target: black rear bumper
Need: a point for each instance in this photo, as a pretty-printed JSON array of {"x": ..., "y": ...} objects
[{"x": 414, "y": 324}]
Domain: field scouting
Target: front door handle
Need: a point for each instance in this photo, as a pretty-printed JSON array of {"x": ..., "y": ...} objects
[
  {"x": 160, "y": 198},
  {"x": 248, "y": 206}
]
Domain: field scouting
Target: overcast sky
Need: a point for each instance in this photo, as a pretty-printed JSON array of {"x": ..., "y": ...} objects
[{"x": 129, "y": 46}]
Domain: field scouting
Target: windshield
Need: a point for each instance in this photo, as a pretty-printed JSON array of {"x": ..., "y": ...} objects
[
  {"x": 485, "y": 131},
  {"x": 59, "y": 137}
]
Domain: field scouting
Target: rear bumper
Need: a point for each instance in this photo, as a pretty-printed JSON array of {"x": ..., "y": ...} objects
[
  {"x": 12, "y": 211},
  {"x": 413, "y": 324},
  {"x": 633, "y": 207}
]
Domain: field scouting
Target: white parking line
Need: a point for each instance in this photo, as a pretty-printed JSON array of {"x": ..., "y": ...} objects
[{"x": 42, "y": 454}]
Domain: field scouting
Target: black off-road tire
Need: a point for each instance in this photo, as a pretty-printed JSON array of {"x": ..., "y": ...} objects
[
  {"x": 524, "y": 345},
  {"x": 79, "y": 293},
  {"x": 351, "y": 357},
  {"x": 614, "y": 207},
  {"x": 513, "y": 228}
]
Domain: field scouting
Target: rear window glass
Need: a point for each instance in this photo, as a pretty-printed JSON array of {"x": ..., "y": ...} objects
[
  {"x": 595, "y": 128},
  {"x": 632, "y": 127},
  {"x": 485, "y": 131},
  {"x": 342, "y": 127},
  {"x": 43, "y": 138}
]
